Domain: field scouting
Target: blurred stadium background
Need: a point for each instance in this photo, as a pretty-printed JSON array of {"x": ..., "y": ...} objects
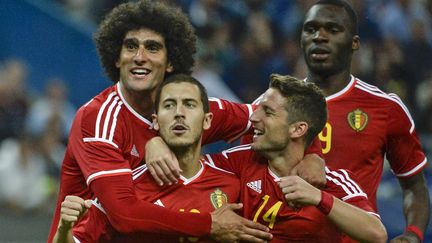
[{"x": 49, "y": 68}]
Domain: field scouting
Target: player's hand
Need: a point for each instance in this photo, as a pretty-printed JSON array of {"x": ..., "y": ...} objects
[
  {"x": 299, "y": 192},
  {"x": 227, "y": 226},
  {"x": 407, "y": 237},
  {"x": 311, "y": 169},
  {"x": 161, "y": 162},
  {"x": 72, "y": 209}
]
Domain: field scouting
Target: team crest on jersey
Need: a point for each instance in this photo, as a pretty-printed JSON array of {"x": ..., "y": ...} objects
[
  {"x": 357, "y": 119},
  {"x": 218, "y": 198}
]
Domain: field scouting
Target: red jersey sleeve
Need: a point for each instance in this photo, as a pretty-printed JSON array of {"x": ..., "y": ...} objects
[
  {"x": 230, "y": 121},
  {"x": 403, "y": 151},
  {"x": 93, "y": 226},
  {"x": 343, "y": 185},
  {"x": 127, "y": 213},
  {"x": 97, "y": 142}
]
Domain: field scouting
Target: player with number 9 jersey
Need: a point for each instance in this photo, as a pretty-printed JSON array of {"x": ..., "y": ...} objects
[{"x": 364, "y": 125}]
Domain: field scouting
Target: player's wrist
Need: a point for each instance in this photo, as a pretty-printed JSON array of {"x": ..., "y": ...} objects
[
  {"x": 416, "y": 231},
  {"x": 326, "y": 203}
]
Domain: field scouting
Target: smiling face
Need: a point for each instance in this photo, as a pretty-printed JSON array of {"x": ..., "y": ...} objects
[
  {"x": 270, "y": 123},
  {"x": 143, "y": 61},
  {"x": 181, "y": 118},
  {"x": 327, "y": 40}
]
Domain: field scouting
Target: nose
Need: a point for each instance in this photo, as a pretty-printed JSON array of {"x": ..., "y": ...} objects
[
  {"x": 140, "y": 55},
  {"x": 320, "y": 35},
  {"x": 180, "y": 112},
  {"x": 254, "y": 117}
]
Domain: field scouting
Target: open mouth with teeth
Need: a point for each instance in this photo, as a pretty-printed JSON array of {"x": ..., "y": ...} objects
[
  {"x": 258, "y": 132},
  {"x": 140, "y": 71}
]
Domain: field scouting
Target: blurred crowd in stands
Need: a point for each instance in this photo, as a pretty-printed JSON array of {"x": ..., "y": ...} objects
[
  {"x": 33, "y": 136},
  {"x": 240, "y": 43}
]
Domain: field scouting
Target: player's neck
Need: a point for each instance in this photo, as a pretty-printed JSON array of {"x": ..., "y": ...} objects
[
  {"x": 331, "y": 84},
  {"x": 141, "y": 102},
  {"x": 284, "y": 162},
  {"x": 188, "y": 158}
]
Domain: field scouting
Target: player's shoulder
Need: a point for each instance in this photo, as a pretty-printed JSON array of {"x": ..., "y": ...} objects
[
  {"x": 213, "y": 169},
  {"x": 374, "y": 93},
  {"x": 106, "y": 106},
  {"x": 104, "y": 99},
  {"x": 343, "y": 184},
  {"x": 243, "y": 149}
]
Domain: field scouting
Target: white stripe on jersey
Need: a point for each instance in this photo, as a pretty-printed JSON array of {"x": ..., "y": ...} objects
[
  {"x": 114, "y": 123},
  {"x": 237, "y": 148},
  {"x": 108, "y": 118},
  {"x": 414, "y": 170},
  {"x": 345, "y": 182},
  {"x": 217, "y": 100},
  {"x": 393, "y": 97},
  {"x": 344, "y": 90},
  {"x": 106, "y": 137},
  {"x": 211, "y": 164},
  {"x": 106, "y": 172},
  {"x": 99, "y": 140},
  {"x": 149, "y": 123},
  {"x": 76, "y": 239},
  {"x": 209, "y": 159},
  {"x": 101, "y": 111},
  {"x": 137, "y": 172}
]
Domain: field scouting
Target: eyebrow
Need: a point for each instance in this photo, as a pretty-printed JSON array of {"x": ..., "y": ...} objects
[
  {"x": 146, "y": 42},
  {"x": 185, "y": 100}
]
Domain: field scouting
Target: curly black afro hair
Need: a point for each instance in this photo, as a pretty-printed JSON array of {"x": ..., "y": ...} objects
[{"x": 166, "y": 20}]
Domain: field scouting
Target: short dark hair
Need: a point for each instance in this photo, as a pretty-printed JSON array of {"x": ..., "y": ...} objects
[
  {"x": 183, "y": 78},
  {"x": 305, "y": 102},
  {"x": 168, "y": 21},
  {"x": 348, "y": 9}
]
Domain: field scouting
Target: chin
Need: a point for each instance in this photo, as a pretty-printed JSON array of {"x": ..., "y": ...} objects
[{"x": 255, "y": 147}]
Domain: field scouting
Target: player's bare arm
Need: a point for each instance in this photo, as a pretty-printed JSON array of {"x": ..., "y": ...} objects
[
  {"x": 416, "y": 211},
  {"x": 311, "y": 168},
  {"x": 161, "y": 162},
  {"x": 72, "y": 209},
  {"x": 351, "y": 220}
]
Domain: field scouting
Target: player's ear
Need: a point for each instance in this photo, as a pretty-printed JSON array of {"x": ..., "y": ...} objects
[
  {"x": 169, "y": 68},
  {"x": 117, "y": 64},
  {"x": 355, "y": 43},
  {"x": 207, "y": 120},
  {"x": 155, "y": 122},
  {"x": 298, "y": 129}
]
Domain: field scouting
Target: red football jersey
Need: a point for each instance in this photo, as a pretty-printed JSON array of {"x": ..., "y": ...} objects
[
  {"x": 264, "y": 202},
  {"x": 208, "y": 190},
  {"x": 108, "y": 138},
  {"x": 366, "y": 124}
]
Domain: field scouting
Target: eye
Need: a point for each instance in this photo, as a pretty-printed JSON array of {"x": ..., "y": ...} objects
[
  {"x": 191, "y": 105},
  {"x": 153, "y": 47},
  {"x": 335, "y": 30},
  {"x": 268, "y": 112},
  {"x": 168, "y": 105},
  {"x": 309, "y": 29},
  {"x": 130, "y": 45}
]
